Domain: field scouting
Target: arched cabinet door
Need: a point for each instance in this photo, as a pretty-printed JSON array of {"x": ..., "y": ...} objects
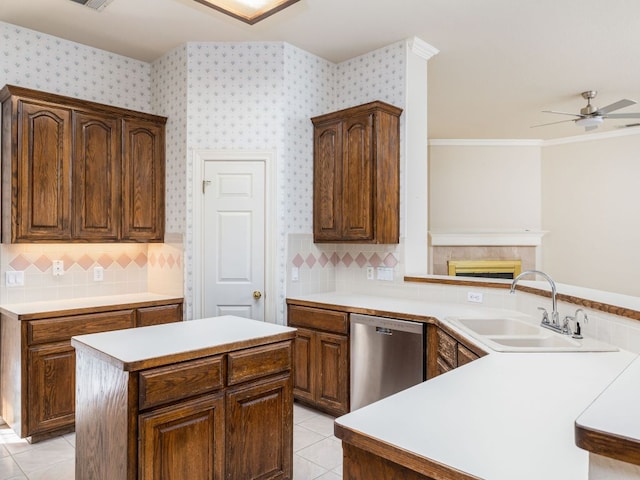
[
  {"x": 41, "y": 174},
  {"x": 143, "y": 181}
]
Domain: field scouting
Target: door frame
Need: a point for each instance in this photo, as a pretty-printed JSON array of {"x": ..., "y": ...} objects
[{"x": 268, "y": 157}]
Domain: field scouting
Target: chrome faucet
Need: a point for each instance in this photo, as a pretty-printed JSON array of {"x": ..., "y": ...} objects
[{"x": 554, "y": 324}]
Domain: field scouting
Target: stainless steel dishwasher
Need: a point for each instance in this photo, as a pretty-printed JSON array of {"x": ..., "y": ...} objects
[{"x": 387, "y": 356}]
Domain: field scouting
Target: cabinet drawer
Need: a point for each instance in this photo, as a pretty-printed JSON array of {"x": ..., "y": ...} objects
[
  {"x": 447, "y": 348},
  {"x": 253, "y": 363},
  {"x": 158, "y": 315},
  {"x": 327, "y": 320},
  {"x": 63, "y": 328},
  {"x": 183, "y": 380}
]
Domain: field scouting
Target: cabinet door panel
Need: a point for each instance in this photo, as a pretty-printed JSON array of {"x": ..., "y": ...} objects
[
  {"x": 43, "y": 175},
  {"x": 327, "y": 199},
  {"x": 96, "y": 177},
  {"x": 358, "y": 168},
  {"x": 143, "y": 181},
  {"x": 303, "y": 371},
  {"x": 51, "y": 387},
  {"x": 332, "y": 359},
  {"x": 183, "y": 441},
  {"x": 260, "y": 431}
]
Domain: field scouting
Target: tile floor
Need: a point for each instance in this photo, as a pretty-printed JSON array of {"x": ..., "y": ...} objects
[{"x": 317, "y": 453}]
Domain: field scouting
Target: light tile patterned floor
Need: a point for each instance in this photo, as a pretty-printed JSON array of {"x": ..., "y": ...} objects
[{"x": 317, "y": 453}]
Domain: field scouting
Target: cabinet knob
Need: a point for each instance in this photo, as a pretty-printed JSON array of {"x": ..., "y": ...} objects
[{"x": 257, "y": 294}]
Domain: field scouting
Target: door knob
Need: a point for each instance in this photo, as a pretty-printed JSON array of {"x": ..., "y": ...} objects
[{"x": 257, "y": 294}]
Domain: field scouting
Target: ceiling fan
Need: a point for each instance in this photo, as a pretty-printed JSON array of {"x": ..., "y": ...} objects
[{"x": 591, "y": 117}]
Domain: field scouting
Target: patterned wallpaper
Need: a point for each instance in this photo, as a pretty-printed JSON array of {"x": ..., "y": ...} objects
[
  {"x": 241, "y": 96},
  {"x": 43, "y": 62}
]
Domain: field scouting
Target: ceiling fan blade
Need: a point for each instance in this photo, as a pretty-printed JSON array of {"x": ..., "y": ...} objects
[
  {"x": 616, "y": 106},
  {"x": 552, "y": 123},
  {"x": 628, "y": 125},
  {"x": 623, "y": 115},
  {"x": 563, "y": 113}
]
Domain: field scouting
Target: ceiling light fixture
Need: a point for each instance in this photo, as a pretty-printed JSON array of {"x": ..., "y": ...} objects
[
  {"x": 590, "y": 121},
  {"x": 249, "y": 11}
]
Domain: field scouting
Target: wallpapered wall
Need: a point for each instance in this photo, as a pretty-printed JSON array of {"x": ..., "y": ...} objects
[
  {"x": 260, "y": 96},
  {"x": 241, "y": 96}
]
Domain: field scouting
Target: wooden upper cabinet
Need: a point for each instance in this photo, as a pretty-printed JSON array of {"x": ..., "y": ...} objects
[
  {"x": 357, "y": 175},
  {"x": 96, "y": 177},
  {"x": 143, "y": 181},
  {"x": 41, "y": 173},
  {"x": 78, "y": 171}
]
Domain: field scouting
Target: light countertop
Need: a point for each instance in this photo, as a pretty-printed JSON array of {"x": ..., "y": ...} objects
[
  {"x": 29, "y": 308},
  {"x": 160, "y": 344},
  {"x": 503, "y": 416},
  {"x": 613, "y": 418}
]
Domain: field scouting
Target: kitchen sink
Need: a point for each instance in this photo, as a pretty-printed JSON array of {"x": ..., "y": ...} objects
[
  {"x": 552, "y": 341},
  {"x": 499, "y": 326},
  {"x": 511, "y": 334}
]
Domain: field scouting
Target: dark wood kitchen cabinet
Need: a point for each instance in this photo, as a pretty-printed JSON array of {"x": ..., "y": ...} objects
[
  {"x": 321, "y": 358},
  {"x": 79, "y": 171},
  {"x": 143, "y": 181},
  {"x": 38, "y": 367},
  {"x": 446, "y": 350},
  {"x": 356, "y": 193}
]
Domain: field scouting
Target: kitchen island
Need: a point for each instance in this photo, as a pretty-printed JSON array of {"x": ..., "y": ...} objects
[{"x": 209, "y": 398}]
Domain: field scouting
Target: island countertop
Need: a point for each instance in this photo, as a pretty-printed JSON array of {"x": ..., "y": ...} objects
[{"x": 145, "y": 347}]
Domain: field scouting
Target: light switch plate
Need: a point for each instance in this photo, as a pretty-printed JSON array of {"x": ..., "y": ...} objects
[{"x": 98, "y": 274}]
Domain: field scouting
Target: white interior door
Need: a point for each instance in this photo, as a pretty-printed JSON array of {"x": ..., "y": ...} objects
[{"x": 233, "y": 243}]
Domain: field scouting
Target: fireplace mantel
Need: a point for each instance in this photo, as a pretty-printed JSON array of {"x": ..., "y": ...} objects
[{"x": 528, "y": 238}]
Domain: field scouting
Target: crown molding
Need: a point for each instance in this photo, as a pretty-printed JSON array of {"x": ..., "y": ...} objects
[
  {"x": 481, "y": 142},
  {"x": 421, "y": 48}
]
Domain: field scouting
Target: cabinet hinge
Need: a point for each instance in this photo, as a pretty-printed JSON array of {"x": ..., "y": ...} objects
[{"x": 204, "y": 184}]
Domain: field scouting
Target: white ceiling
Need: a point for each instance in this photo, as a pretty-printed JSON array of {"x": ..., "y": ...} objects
[{"x": 500, "y": 63}]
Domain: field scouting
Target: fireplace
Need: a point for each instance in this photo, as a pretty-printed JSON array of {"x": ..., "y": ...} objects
[{"x": 484, "y": 253}]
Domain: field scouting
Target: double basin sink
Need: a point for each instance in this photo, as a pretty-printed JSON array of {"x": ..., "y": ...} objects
[{"x": 506, "y": 334}]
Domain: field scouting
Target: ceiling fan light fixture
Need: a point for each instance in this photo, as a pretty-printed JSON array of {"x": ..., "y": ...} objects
[
  {"x": 249, "y": 11},
  {"x": 590, "y": 121}
]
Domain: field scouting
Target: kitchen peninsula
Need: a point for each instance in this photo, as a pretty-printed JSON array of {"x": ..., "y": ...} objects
[
  {"x": 195, "y": 399},
  {"x": 503, "y": 416}
]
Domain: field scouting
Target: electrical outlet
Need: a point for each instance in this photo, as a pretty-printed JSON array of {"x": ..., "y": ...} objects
[
  {"x": 385, "y": 274},
  {"x": 295, "y": 274},
  {"x": 98, "y": 274},
  {"x": 475, "y": 297},
  {"x": 58, "y": 268},
  {"x": 370, "y": 275},
  {"x": 14, "y": 278}
]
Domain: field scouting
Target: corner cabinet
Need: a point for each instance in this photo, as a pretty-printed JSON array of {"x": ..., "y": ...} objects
[
  {"x": 78, "y": 171},
  {"x": 356, "y": 176},
  {"x": 321, "y": 358},
  {"x": 446, "y": 350}
]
